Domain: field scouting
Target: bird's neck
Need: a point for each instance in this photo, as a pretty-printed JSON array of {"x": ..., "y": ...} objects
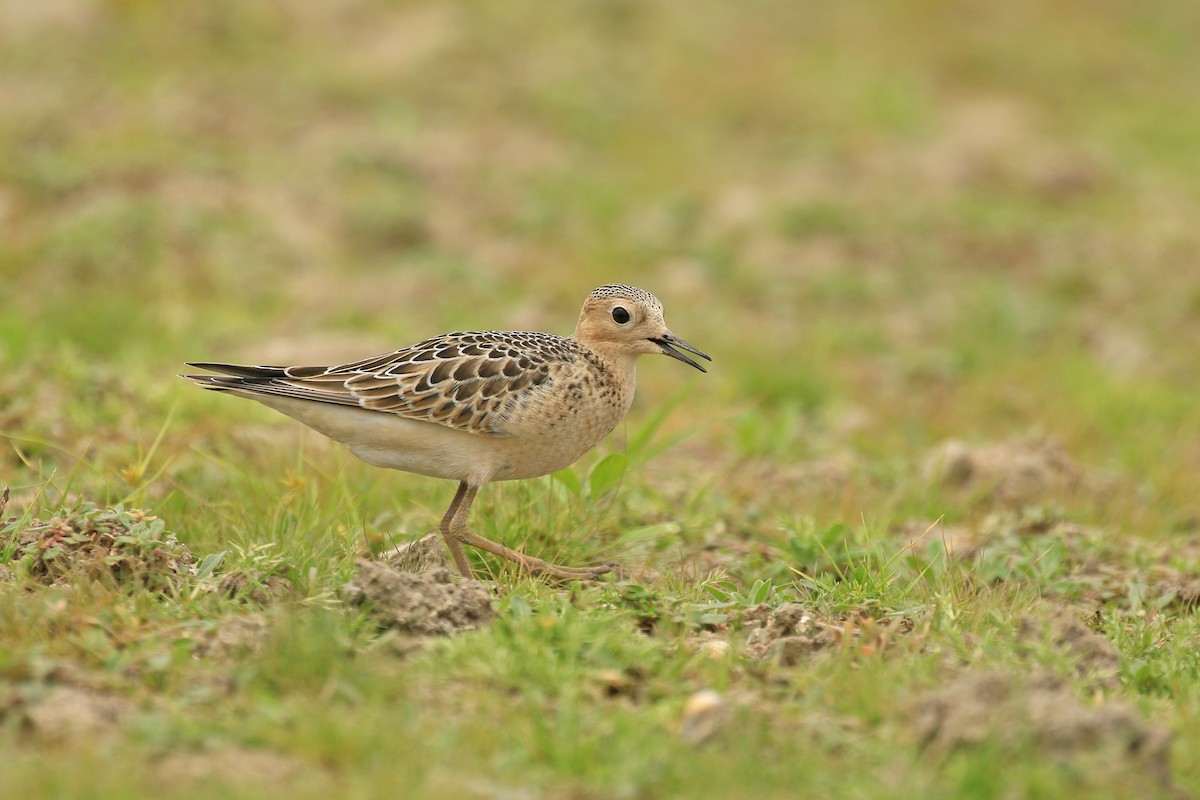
[{"x": 619, "y": 368}]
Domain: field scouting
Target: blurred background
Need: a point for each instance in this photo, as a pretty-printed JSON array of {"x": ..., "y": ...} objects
[
  {"x": 891, "y": 224},
  {"x": 943, "y": 252}
]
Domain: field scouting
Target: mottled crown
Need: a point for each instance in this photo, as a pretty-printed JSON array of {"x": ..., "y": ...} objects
[{"x": 626, "y": 293}]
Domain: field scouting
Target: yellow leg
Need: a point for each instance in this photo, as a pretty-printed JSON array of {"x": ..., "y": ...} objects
[
  {"x": 452, "y": 542},
  {"x": 457, "y": 533}
]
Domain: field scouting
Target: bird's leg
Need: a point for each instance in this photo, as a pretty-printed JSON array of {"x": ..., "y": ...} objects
[
  {"x": 454, "y": 527},
  {"x": 452, "y": 542}
]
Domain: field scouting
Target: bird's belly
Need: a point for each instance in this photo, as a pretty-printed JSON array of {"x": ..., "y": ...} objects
[
  {"x": 540, "y": 441},
  {"x": 473, "y": 457},
  {"x": 391, "y": 441},
  {"x": 530, "y": 459}
]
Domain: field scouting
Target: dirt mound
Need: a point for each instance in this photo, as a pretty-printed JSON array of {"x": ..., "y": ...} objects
[
  {"x": 1186, "y": 589},
  {"x": 793, "y": 631},
  {"x": 1091, "y": 567},
  {"x": 125, "y": 546},
  {"x": 420, "y": 555},
  {"x": 1041, "y": 714},
  {"x": 233, "y": 635},
  {"x": 66, "y": 714},
  {"x": 1006, "y": 473},
  {"x": 128, "y": 548},
  {"x": 231, "y": 767},
  {"x": 255, "y": 585},
  {"x": 424, "y": 603},
  {"x": 956, "y": 540},
  {"x": 1095, "y": 657},
  {"x": 993, "y": 531}
]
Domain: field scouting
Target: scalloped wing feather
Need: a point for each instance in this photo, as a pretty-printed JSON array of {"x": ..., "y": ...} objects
[{"x": 470, "y": 381}]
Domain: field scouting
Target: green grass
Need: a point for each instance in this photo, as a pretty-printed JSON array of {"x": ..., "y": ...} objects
[{"x": 891, "y": 226}]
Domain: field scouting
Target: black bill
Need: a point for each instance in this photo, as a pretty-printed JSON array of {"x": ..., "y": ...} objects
[{"x": 668, "y": 343}]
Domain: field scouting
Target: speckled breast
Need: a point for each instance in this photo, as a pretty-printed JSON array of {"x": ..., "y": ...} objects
[{"x": 554, "y": 427}]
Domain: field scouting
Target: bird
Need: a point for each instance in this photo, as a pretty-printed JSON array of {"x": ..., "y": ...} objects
[{"x": 477, "y": 406}]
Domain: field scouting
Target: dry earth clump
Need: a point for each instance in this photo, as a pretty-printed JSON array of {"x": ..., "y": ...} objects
[
  {"x": 1096, "y": 659},
  {"x": 420, "y": 555},
  {"x": 793, "y": 632},
  {"x": 233, "y": 635},
  {"x": 128, "y": 547},
  {"x": 957, "y": 540},
  {"x": 423, "y": 603},
  {"x": 1009, "y": 474},
  {"x": 1038, "y": 714},
  {"x": 1091, "y": 569},
  {"x": 967, "y": 541},
  {"x": 62, "y": 714},
  {"x": 232, "y": 767},
  {"x": 1141, "y": 572},
  {"x": 255, "y": 585}
]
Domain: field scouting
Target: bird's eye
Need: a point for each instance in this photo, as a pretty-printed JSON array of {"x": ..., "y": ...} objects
[{"x": 620, "y": 315}]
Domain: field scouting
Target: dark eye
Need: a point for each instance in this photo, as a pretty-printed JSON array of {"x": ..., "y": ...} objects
[{"x": 620, "y": 315}]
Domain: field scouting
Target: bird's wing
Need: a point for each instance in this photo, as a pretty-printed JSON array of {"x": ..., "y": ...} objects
[{"x": 469, "y": 381}]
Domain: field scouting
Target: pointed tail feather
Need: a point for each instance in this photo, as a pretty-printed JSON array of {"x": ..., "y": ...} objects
[
  {"x": 238, "y": 370},
  {"x": 251, "y": 381}
]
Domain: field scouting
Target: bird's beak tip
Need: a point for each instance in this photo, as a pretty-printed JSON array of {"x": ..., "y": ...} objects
[{"x": 668, "y": 343}]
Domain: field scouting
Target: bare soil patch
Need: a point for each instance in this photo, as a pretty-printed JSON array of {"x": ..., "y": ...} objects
[
  {"x": 255, "y": 585},
  {"x": 957, "y": 540},
  {"x": 124, "y": 546},
  {"x": 1092, "y": 571},
  {"x": 63, "y": 714},
  {"x": 420, "y": 555},
  {"x": 233, "y": 767},
  {"x": 235, "y": 634},
  {"x": 792, "y": 632},
  {"x": 1009, "y": 474},
  {"x": 1039, "y": 713},
  {"x": 423, "y": 603},
  {"x": 1096, "y": 660}
]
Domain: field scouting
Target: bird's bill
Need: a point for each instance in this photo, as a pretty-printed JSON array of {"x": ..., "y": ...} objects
[{"x": 668, "y": 342}]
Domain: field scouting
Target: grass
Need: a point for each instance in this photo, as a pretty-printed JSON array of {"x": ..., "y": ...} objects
[{"x": 892, "y": 228}]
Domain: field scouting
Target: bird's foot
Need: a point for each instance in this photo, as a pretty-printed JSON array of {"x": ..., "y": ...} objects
[{"x": 539, "y": 567}]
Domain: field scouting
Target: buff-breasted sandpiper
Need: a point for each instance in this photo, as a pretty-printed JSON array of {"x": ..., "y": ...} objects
[{"x": 477, "y": 406}]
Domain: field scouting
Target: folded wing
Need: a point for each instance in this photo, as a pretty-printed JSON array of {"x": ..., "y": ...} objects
[{"x": 469, "y": 381}]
